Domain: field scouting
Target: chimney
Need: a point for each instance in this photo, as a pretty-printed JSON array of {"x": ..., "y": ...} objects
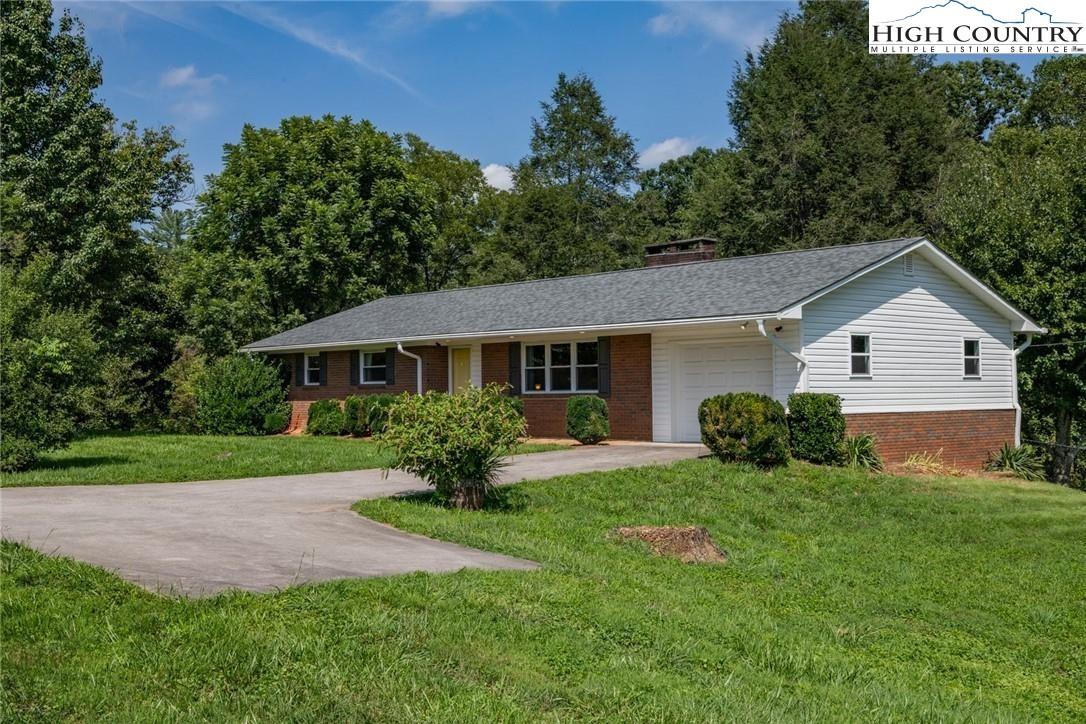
[{"x": 700, "y": 248}]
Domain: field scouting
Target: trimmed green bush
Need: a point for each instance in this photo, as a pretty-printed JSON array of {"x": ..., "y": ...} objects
[
  {"x": 377, "y": 409},
  {"x": 816, "y": 427},
  {"x": 859, "y": 451},
  {"x": 236, "y": 394},
  {"x": 586, "y": 419},
  {"x": 454, "y": 442},
  {"x": 325, "y": 418},
  {"x": 356, "y": 416},
  {"x": 745, "y": 427},
  {"x": 276, "y": 422}
]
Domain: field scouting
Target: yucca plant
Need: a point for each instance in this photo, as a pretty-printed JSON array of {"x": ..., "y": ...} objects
[
  {"x": 1023, "y": 461},
  {"x": 860, "y": 452}
]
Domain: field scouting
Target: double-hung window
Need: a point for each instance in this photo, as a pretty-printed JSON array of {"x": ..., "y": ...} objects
[
  {"x": 971, "y": 357},
  {"x": 860, "y": 355},
  {"x": 562, "y": 367},
  {"x": 312, "y": 369},
  {"x": 373, "y": 367}
]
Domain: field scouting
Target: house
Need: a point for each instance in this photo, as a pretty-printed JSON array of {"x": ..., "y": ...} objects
[{"x": 920, "y": 351}]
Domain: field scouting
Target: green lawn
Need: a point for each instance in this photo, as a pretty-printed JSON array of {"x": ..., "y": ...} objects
[
  {"x": 847, "y": 598},
  {"x": 113, "y": 459}
]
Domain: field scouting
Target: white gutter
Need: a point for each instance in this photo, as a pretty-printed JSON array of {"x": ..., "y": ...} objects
[
  {"x": 775, "y": 340},
  {"x": 1014, "y": 388},
  {"x": 418, "y": 366}
]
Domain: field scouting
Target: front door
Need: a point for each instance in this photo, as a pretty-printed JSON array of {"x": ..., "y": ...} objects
[{"x": 461, "y": 369}]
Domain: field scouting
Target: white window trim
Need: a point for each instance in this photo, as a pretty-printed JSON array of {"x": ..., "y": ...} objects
[
  {"x": 362, "y": 367},
  {"x": 547, "y": 368},
  {"x": 869, "y": 354},
  {"x": 979, "y": 358},
  {"x": 305, "y": 370}
]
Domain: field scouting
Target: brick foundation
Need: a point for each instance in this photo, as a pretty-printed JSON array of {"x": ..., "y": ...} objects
[{"x": 965, "y": 436}]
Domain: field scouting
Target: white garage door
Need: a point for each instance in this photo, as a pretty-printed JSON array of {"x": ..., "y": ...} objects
[{"x": 704, "y": 370}]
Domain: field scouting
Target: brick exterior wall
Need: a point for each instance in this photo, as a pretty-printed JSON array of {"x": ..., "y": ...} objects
[
  {"x": 964, "y": 436},
  {"x": 435, "y": 376},
  {"x": 629, "y": 404}
]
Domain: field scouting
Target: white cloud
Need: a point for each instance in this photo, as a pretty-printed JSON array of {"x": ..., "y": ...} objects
[
  {"x": 452, "y": 8},
  {"x": 731, "y": 23},
  {"x": 323, "y": 41},
  {"x": 665, "y": 150},
  {"x": 187, "y": 77},
  {"x": 498, "y": 176}
]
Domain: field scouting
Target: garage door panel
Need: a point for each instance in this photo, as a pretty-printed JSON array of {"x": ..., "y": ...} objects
[{"x": 709, "y": 369}]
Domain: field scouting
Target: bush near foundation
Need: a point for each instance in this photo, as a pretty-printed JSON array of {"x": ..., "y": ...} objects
[
  {"x": 587, "y": 420},
  {"x": 325, "y": 418},
  {"x": 816, "y": 427},
  {"x": 745, "y": 427},
  {"x": 237, "y": 394}
]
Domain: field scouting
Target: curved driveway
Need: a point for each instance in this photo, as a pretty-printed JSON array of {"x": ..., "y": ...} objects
[{"x": 264, "y": 534}]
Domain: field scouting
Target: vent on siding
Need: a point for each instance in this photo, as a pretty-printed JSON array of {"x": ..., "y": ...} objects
[{"x": 908, "y": 265}]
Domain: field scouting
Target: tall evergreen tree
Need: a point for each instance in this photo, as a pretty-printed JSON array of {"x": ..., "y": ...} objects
[
  {"x": 563, "y": 215},
  {"x": 834, "y": 144}
]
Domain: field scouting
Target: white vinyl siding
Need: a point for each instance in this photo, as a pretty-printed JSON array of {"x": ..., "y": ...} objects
[{"x": 916, "y": 325}]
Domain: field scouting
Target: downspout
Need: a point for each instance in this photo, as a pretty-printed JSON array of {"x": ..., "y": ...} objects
[
  {"x": 776, "y": 342},
  {"x": 418, "y": 365},
  {"x": 1014, "y": 388}
]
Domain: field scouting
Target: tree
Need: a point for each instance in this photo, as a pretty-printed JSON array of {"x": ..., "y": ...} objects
[
  {"x": 1058, "y": 93},
  {"x": 566, "y": 206},
  {"x": 74, "y": 186},
  {"x": 834, "y": 144},
  {"x": 983, "y": 95},
  {"x": 1012, "y": 212},
  {"x": 170, "y": 229},
  {"x": 304, "y": 220},
  {"x": 462, "y": 210}
]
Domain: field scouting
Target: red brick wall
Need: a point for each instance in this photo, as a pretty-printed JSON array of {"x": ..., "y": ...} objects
[
  {"x": 435, "y": 376},
  {"x": 964, "y": 436},
  {"x": 629, "y": 404}
]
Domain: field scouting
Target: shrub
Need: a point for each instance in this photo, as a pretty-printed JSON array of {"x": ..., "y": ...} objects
[
  {"x": 1023, "y": 461},
  {"x": 745, "y": 427},
  {"x": 356, "y": 416},
  {"x": 277, "y": 421},
  {"x": 586, "y": 419},
  {"x": 816, "y": 427},
  {"x": 39, "y": 398},
  {"x": 454, "y": 442},
  {"x": 183, "y": 376},
  {"x": 236, "y": 395},
  {"x": 325, "y": 418},
  {"x": 377, "y": 409},
  {"x": 860, "y": 452},
  {"x": 517, "y": 403}
]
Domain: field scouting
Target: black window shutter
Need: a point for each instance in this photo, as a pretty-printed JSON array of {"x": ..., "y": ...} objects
[
  {"x": 514, "y": 367},
  {"x": 356, "y": 367},
  {"x": 390, "y": 366},
  {"x": 605, "y": 366},
  {"x": 324, "y": 368},
  {"x": 299, "y": 369}
]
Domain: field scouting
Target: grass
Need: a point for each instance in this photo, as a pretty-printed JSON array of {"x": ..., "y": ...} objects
[
  {"x": 848, "y": 597},
  {"x": 153, "y": 458}
]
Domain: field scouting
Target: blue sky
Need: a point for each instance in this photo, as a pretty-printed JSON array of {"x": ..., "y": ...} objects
[{"x": 466, "y": 76}]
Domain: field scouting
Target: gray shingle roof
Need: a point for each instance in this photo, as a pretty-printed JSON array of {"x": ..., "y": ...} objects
[{"x": 757, "y": 285}]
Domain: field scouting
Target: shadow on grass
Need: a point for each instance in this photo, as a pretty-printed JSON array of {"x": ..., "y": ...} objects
[{"x": 503, "y": 499}]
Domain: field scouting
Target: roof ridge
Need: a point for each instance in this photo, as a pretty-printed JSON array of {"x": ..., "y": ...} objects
[{"x": 642, "y": 268}]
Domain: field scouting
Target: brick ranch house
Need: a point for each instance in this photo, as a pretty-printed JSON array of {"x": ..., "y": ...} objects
[{"x": 921, "y": 352}]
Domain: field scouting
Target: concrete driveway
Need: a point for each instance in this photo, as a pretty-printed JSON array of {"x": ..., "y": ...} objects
[{"x": 264, "y": 534}]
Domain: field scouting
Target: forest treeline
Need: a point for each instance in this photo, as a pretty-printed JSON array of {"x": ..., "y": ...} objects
[{"x": 117, "y": 284}]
